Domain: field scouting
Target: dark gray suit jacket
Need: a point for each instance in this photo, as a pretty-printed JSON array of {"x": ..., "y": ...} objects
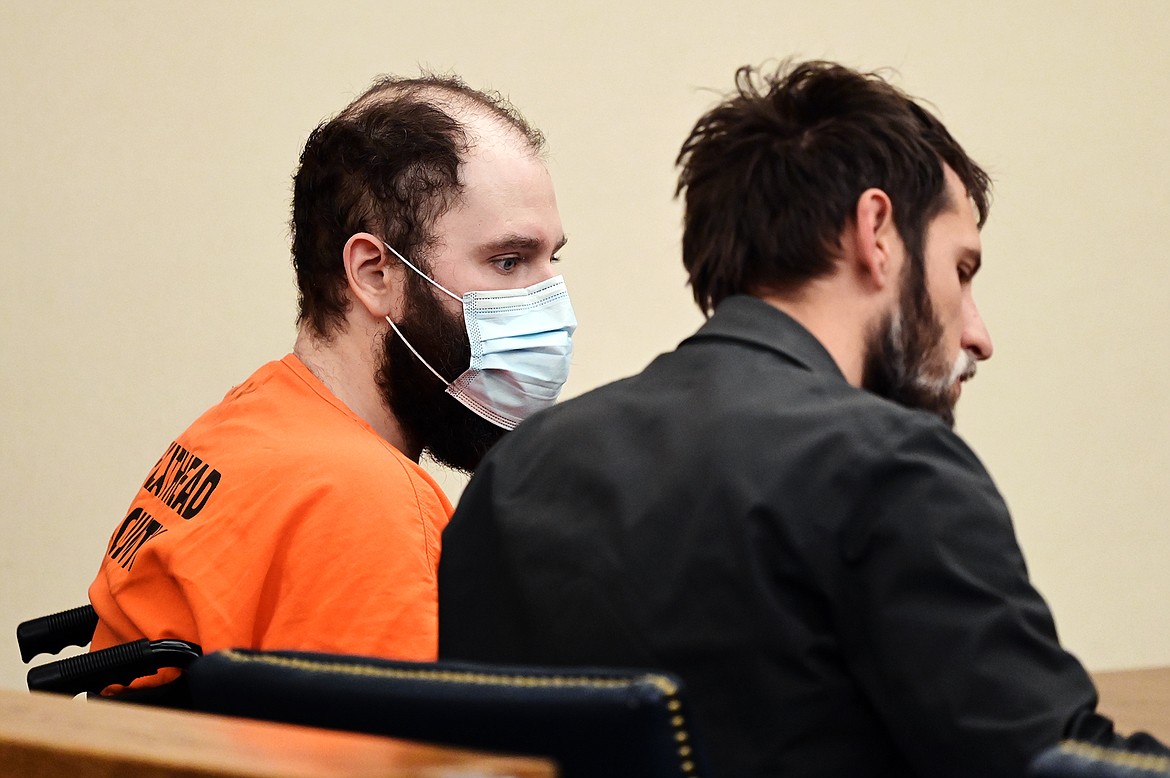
[{"x": 835, "y": 577}]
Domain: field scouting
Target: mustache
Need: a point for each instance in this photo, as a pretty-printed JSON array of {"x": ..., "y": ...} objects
[
  {"x": 963, "y": 370},
  {"x": 965, "y": 366}
]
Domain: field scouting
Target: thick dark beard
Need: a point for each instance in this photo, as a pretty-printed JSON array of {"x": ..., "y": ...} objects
[
  {"x": 904, "y": 361},
  {"x": 430, "y": 418}
]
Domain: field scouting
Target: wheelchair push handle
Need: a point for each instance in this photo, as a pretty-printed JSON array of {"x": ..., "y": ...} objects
[
  {"x": 49, "y": 634},
  {"x": 120, "y": 664}
]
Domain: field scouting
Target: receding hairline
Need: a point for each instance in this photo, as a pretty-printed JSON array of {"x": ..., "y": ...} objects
[{"x": 449, "y": 94}]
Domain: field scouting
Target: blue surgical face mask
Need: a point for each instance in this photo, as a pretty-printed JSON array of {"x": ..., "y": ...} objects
[{"x": 521, "y": 347}]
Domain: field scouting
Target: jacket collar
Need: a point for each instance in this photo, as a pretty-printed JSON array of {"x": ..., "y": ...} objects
[{"x": 751, "y": 320}]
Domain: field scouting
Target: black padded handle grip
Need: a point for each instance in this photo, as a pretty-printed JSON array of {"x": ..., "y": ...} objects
[
  {"x": 49, "y": 634},
  {"x": 120, "y": 664}
]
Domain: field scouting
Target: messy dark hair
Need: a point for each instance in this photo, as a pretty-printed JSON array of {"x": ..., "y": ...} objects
[{"x": 773, "y": 173}]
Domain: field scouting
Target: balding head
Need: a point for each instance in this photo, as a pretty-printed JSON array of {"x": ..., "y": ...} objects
[
  {"x": 388, "y": 164},
  {"x": 472, "y": 108}
]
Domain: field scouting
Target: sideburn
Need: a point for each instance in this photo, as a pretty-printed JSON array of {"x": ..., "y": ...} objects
[{"x": 905, "y": 347}]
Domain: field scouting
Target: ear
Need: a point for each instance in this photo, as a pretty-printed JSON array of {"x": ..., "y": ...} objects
[
  {"x": 877, "y": 246},
  {"x": 374, "y": 275}
]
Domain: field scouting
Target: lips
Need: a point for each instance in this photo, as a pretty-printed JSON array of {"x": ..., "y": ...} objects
[{"x": 964, "y": 371}]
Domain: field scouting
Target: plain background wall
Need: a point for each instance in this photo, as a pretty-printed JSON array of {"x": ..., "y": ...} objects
[{"x": 146, "y": 150}]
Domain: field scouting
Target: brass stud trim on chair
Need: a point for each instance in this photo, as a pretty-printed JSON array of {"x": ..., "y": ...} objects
[
  {"x": 1114, "y": 756},
  {"x": 667, "y": 686}
]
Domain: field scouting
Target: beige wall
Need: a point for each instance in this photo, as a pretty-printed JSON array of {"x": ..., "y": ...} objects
[{"x": 145, "y": 156}]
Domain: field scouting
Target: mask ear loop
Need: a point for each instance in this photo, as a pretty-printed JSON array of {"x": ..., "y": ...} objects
[
  {"x": 425, "y": 277},
  {"x": 394, "y": 326},
  {"x": 414, "y": 351}
]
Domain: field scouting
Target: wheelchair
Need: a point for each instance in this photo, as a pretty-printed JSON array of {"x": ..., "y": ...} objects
[{"x": 594, "y": 722}]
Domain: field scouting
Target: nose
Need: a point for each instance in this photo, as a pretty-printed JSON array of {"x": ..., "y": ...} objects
[{"x": 976, "y": 339}]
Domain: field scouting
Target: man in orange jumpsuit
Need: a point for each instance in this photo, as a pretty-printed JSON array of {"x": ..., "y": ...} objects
[{"x": 294, "y": 514}]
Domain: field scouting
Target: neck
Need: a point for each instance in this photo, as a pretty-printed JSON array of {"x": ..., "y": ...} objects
[
  {"x": 840, "y": 321},
  {"x": 347, "y": 365}
]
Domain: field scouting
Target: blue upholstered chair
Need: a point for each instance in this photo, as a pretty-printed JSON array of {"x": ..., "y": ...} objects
[{"x": 593, "y": 721}]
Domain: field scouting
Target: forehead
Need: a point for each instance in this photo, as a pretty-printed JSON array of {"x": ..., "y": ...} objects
[{"x": 507, "y": 190}]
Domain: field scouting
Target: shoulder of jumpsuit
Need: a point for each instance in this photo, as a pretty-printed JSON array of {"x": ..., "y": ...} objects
[
  {"x": 332, "y": 446},
  {"x": 752, "y": 321}
]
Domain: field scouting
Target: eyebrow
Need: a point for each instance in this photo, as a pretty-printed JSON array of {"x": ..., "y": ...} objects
[{"x": 517, "y": 242}]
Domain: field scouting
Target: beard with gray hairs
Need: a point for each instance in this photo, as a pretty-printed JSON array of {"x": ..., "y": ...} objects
[
  {"x": 904, "y": 357},
  {"x": 430, "y": 418}
]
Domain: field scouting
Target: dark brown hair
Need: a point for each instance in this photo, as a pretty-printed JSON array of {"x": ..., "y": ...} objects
[
  {"x": 772, "y": 175},
  {"x": 388, "y": 164}
]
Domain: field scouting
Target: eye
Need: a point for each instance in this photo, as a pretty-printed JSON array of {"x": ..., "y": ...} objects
[
  {"x": 965, "y": 274},
  {"x": 506, "y": 264},
  {"x": 554, "y": 259}
]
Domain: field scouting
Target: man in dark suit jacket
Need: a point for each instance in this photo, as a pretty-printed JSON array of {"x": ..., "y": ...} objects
[{"x": 779, "y": 511}]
